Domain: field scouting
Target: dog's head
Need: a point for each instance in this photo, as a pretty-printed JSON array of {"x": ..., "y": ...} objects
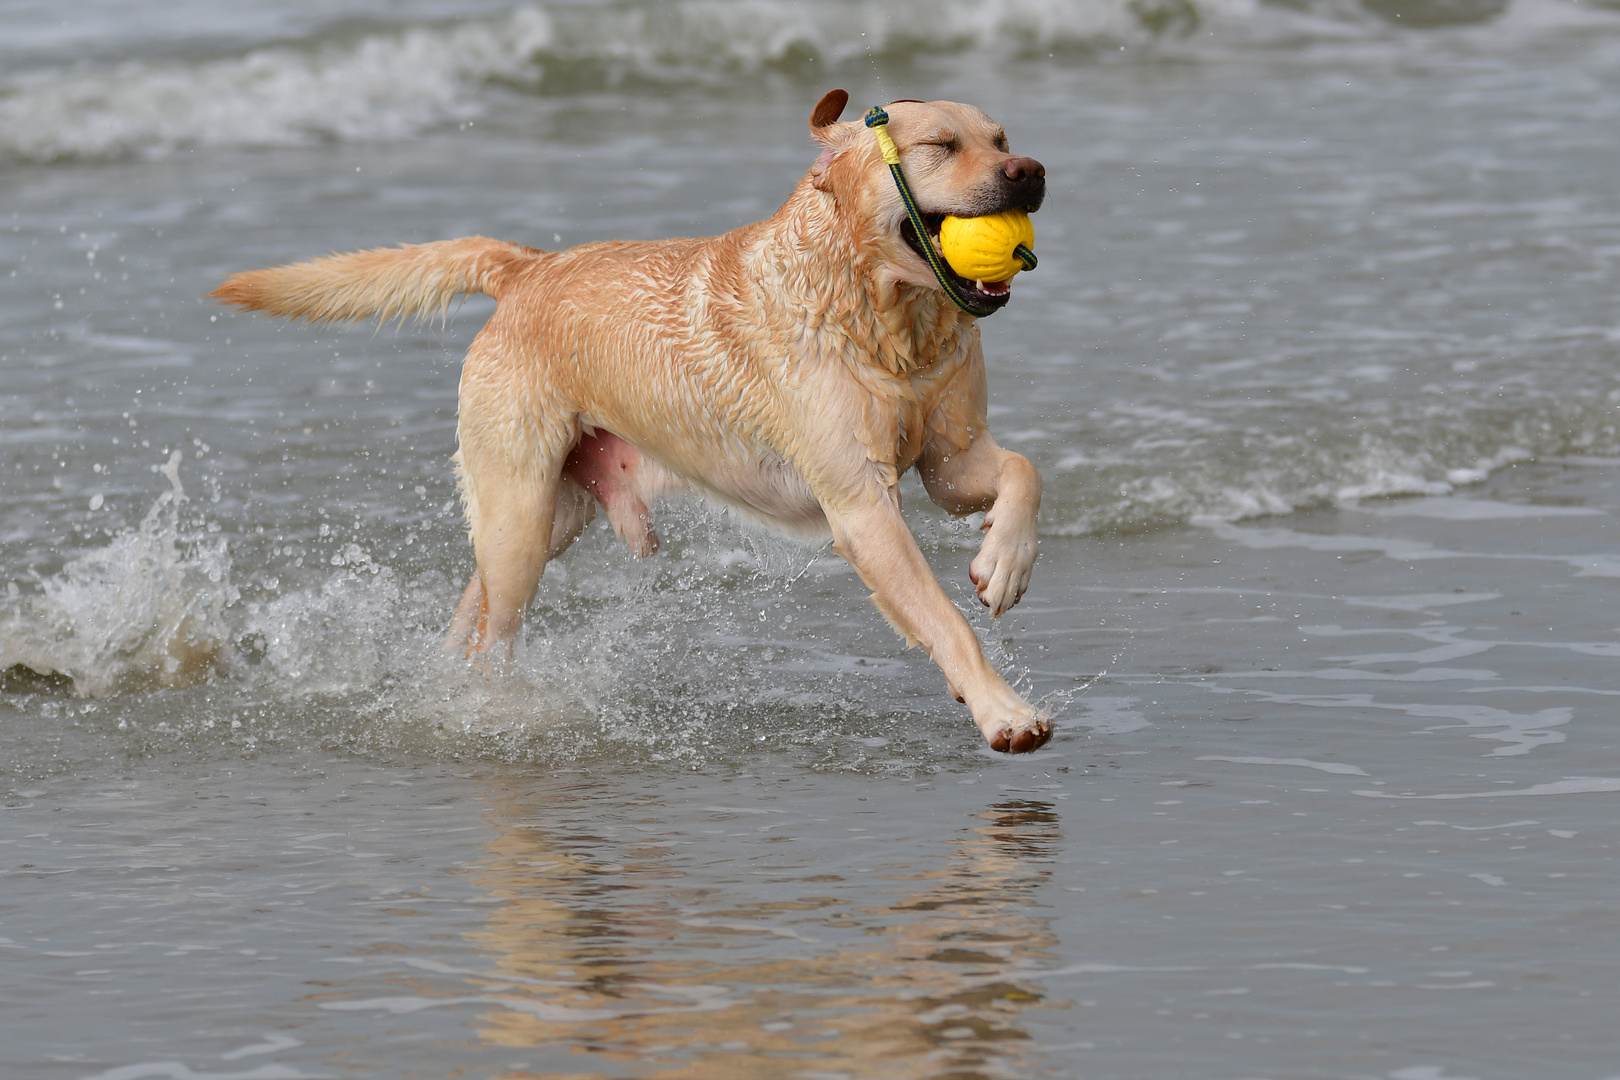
[{"x": 956, "y": 160}]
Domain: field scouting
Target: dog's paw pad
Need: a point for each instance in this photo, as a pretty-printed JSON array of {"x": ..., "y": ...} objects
[{"x": 1024, "y": 740}]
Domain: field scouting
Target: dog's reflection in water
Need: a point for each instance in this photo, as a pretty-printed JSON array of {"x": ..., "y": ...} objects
[{"x": 632, "y": 965}]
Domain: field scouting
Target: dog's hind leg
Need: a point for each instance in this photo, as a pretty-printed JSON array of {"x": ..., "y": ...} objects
[
  {"x": 575, "y": 510},
  {"x": 464, "y": 623},
  {"x": 512, "y": 511},
  {"x": 514, "y": 438}
]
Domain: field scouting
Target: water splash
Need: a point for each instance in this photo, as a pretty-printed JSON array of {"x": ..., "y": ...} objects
[{"x": 145, "y": 612}]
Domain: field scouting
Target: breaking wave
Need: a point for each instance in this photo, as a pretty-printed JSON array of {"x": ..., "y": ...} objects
[
  {"x": 1135, "y": 467},
  {"x": 1117, "y": 495},
  {"x": 388, "y": 84}
]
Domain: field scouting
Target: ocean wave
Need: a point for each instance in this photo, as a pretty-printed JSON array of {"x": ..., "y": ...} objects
[
  {"x": 381, "y": 86},
  {"x": 393, "y": 83},
  {"x": 1140, "y": 483}
]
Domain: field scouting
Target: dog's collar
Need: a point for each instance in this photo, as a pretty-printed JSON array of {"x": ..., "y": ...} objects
[{"x": 878, "y": 120}]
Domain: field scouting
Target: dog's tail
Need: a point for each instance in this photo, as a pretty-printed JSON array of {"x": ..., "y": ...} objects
[{"x": 384, "y": 283}]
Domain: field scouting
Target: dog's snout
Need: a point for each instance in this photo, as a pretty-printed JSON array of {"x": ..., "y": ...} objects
[
  {"x": 1027, "y": 179},
  {"x": 1018, "y": 169}
]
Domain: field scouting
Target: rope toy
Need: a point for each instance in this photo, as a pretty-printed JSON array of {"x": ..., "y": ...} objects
[{"x": 976, "y": 248}]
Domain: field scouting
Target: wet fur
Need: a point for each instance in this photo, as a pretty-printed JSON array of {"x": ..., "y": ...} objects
[{"x": 792, "y": 369}]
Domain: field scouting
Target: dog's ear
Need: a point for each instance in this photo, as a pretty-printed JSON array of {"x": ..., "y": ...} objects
[
  {"x": 828, "y": 110},
  {"x": 834, "y": 137}
]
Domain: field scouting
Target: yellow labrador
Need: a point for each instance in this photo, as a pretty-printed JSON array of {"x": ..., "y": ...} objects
[{"x": 792, "y": 369}]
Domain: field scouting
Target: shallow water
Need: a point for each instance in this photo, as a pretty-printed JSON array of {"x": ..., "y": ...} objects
[{"x": 1318, "y": 365}]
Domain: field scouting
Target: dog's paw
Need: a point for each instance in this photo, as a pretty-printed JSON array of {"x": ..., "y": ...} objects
[
  {"x": 1006, "y": 558},
  {"x": 1010, "y": 724},
  {"x": 1018, "y": 730},
  {"x": 1031, "y": 736}
]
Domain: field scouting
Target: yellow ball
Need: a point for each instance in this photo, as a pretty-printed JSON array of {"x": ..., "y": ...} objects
[{"x": 981, "y": 248}]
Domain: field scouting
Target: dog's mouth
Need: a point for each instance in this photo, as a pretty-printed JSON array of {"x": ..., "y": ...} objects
[{"x": 991, "y": 295}]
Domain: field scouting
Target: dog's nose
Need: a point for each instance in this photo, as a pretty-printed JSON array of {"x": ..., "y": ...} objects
[
  {"x": 1018, "y": 169},
  {"x": 1026, "y": 181}
]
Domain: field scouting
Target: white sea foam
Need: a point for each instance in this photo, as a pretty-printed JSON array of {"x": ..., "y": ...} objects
[
  {"x": 1421, "y": 675},
  {"x": 175, "y": 1070},
  {"x": 1304, "y": 763},
  {"x": 1601, "y": 565},
  {"x": 382, "y": 86},
  {"x": 273, "y": 1043},
  {"x": 390, "y": 84},
  {"x": 1523, "y": 732},
  {"x": 1420, "y": 601},
  {"x": 1154, "y": 488},
  {"x": 1569, "y": 785},
  {"x": 156, "y": 609},
  {"x": 1484, "y": 828},
  {"x": 1474, "y": 510},
  {"x": 332, "y": 639},
  {"x": 146, "y": 611}
]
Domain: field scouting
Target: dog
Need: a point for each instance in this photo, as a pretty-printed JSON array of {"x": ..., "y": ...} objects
[{"x": 793, "y": 369}]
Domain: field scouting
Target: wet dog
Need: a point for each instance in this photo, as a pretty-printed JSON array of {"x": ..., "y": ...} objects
[{"x": 793, "y": 369}]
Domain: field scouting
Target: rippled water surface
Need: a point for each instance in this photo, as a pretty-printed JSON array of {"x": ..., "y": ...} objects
[{"x": 1319, "y": 365}]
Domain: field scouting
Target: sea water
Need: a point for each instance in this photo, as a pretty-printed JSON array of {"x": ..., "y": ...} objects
[{"x": 1319, "y": 366}]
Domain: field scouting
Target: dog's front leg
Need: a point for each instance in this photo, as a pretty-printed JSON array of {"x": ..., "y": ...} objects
[
  {"x": 1008, "y": 489},
  {"x": 870, "y": 533}
]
